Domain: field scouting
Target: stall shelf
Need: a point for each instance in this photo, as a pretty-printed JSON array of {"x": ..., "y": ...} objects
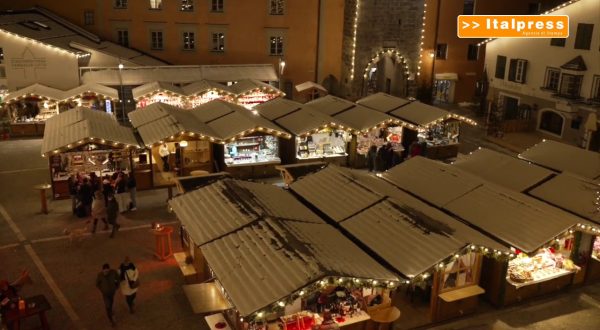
[
  {"x": 157, "y": 91},
  {"x": 204, "y": 91}
]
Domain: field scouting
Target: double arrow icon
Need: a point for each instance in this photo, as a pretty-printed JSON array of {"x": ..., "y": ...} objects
[{"x": 466, "y": 25}]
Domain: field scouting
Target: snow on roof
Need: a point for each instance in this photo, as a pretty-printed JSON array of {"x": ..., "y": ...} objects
[
  {"x": 502, "y": 169},
  {"x": 420, "y": 113},
  {"x": 564, "y": 158},
  {"x": 277, "y": 107},
  {"x": 572, "y": 193},
  {"x": 383, "y": 102}
]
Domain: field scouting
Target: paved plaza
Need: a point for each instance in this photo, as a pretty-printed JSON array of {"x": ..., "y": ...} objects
[{"x": 65, "y": 274}]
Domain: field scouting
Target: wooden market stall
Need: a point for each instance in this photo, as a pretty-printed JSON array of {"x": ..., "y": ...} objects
[
  {"x": 317, "y": 135},
  {"x": 541, "y": 237},
  {"x": 204, "y": 91},
  {"x": 82, "y": 141},
  {"x": 310, "y": 266},
  {"x": 250, "y": 93},
  {"x": 158, "y": 91},
  {"x": 29, "y": 107},
  {"x": 184, "y": 138},
  {"x": 91, "y": 95},
  {"x": 438, "y": 255},
  {"x": 310, "y": 90},
  {"x": 250, "y": 144}
]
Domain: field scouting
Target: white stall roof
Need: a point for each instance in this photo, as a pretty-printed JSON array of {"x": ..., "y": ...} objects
[
  {"x": 516, "y": 219},
  {"x": 307, "y": 119},
  {"x": 102, "y": 90},
  {"x": 572, "y": 193},
  {"x": 383, "y": 102},
  {"x": 36, "y": 90},
  {"x": 330, "y": 105},
  {"x": 202, "y": 86},
  {"x": 362, "y": 118},
  {"x": 295, "y": 255},
  {"x": 502, "y": 169},
  {"x": 225, "y": 206},
  {"x": 277, "y": 107},
  {"x": 310, "y": 85},
  {"x": 249, "y": 85},
  {"x": 156, "y": 87},
  {"x": 433, "y": 181},
  {"x": 420, "y": 113},
  {"x": 150, "y": 113},
  {"x": 71, "y": 128},
  {"x": 238, "y": 72},
  {"x": 564, "y": 158}
]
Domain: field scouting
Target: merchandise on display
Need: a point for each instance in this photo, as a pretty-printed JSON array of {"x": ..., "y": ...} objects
[
  {"x": 250, "y": 100},
  {"x": 379, "y": 137},
  {"x": 441, "y": 134},
  {"x": 252, "y": 150},
  {"x": 326, "y": 143},
  {"x": 544, "y": 265},
  {"x": 596, "y": 248}
]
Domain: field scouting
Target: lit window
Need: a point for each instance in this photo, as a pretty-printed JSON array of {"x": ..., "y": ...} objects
[
  {"x": 157, "y": 39},
  {"x": 155, "y": 4},
  {"x": 1, "y": 55},
  {"x": 276, "y": 46},
  {"x": 218, "y": 42},
  {"x": 121, "y": 4},
  {"x": 88, "y": 17},
  {"x": 188, "y": 41},
  {"x": 517, "y": 70},
  {"x": 187, "y": 5},
  {"x": 217, "y": 5},
  {"x": 276, "y": 7},
  {"x": 570, "y": 86},
  {"x": 552, "y": 79},
  {"x": 123, "y": 38}
]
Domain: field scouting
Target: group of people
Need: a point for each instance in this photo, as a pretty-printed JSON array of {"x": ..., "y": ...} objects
[
  {"x": 103, "y": 199},
  {"x": 164, "y": 153},
  {"x": 385, "y": 157},
  {"x": 108, "y": 281}
]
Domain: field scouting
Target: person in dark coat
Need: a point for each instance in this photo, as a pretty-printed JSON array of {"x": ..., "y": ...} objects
[
  {"x": 112, "y": 213},
  {"x": 178, "y": 164},
  {"x": 94, "y": 182},
  {"x": 86, "y": 196},
  {"x": 107, "y": 188},
  {"x": 389, "y": 156},
  {"x": 132, "y": 188},
  {"x": 380, "y": 159},
  {"x": 107, "y": 282},
  {"x": 73, "y": 191},
  {"x": 371, "y": 155}
]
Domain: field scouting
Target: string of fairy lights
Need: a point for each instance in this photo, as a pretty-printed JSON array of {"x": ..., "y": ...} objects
[{"x": 354, "y": 34}]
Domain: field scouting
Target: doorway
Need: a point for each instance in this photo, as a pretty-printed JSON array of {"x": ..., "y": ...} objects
[
  {"x": 551, "y": 122},
  {"x": 443, "y": 91}
]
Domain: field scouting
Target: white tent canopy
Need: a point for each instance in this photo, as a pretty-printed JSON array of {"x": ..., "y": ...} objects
[
  {"x": 564, "y": 158},
  {"x": 383, "y": 102},
  {"x": 36, "y": 90}
]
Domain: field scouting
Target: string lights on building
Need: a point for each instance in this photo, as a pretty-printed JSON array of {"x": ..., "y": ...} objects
[
  {"x": 422, "y": 42},
  {"x": 354, "y": 33}
]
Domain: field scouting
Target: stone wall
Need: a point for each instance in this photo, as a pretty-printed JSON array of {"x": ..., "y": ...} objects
[{"x": 389, "y": 24}]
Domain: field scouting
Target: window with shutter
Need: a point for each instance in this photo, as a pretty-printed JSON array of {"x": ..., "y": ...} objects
[
  {"x": 517, "y": 70},
  {"x": 500, "y": 67},
  {"x": 583, "y": 39}
]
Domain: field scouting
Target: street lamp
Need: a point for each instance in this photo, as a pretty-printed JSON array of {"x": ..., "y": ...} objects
[
  {"x": 122, "y": 93},
  {"x": 281, "y": 67}
]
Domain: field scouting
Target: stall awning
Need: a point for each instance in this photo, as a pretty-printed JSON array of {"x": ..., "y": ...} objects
[
  {"x": 251, "y": 85},
  {"x": 104, "y": 91},
  {"x": 502, "y": 169},
  {"x": 421, "y": 114},
  {"x": 226, "y": 73},
  {"x": 363, "y": 119},
  {"x": 562, "y": 157},
  {"x": 307, "y": 120},
  {"x": 79, "y": 126},
  {"x": 572, "y": 193},
  {"x": 39, "y": 90},
  {"x": 383, "y": 102},
  {"x": 230, "y": 120},
  {"x": 433, "y": 181},
  {"x": 291, "y": 255},
  {"x": 202, "y": 86},
  {"x": 227, "y": 205},
  {"x": 277, "y": 108},
  {"x": 155, "y": 87},
  {"x": 330, "y": 105},
  {"x": 310, "y": 85},
  {"x": 446, "y": 76},
  {"x": 159, "y": 121}
]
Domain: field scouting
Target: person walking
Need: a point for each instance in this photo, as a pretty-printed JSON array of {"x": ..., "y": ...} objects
[
  {"x": 178, "y": 164},
  {"x": 98, "y": 211},
  {"x": 371, "y": 155},
  {"x": 132, "y": 187},
  {"x": 164, "y": 153},
  {"x": 107, "y": 188},
  {"x": 121, "y": 190},
  {"x": 107, "y": 282},
  {"x": 129, "y": 276},
  {"x": 86, "y": 196},
  {"x": 112, "y": 213},
  {"x": 73, "y": 191}
]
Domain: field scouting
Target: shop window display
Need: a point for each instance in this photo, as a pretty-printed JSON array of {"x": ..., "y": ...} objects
[
  {"x": 251, "y": 99},
  {"x": 325, "y": 143},
  {"x": 441, "y": 134},
  {"x": 596, "y": 248},
  {"x": 379, "y": 137},
  {"x": 546, "y": 264},
  {"x": 460, "y": 273},
  {"x": 252, "y": 150},
  {"x": 171, "y": 99}
]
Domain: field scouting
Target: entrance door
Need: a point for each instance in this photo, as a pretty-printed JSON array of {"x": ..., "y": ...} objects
[
  {"x": 511, "y": 108},
  {"x": 443, "y": 91},
  {"x": 595, "y": 141},
  {"x": 551, "y": 122}
]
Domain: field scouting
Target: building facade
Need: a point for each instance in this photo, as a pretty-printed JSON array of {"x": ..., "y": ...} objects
[{"x": 553, "y": 82}]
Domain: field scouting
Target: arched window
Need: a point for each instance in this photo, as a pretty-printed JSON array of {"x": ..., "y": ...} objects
[{"x": 551, "y": 122}]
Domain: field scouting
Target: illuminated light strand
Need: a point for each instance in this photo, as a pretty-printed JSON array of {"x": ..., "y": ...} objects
[
  {"x": 354, "y": 34},
  {"x": 389, "y": 52},
  {"x": 422, "y": 42},
  {"x": 76, "y": 54},
  {"x": 561, "y": 6}
]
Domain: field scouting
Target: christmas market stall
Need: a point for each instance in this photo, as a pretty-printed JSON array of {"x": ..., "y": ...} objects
[
  {"x": 541, "y": 237},
  {"x": 582, "y": 197},
  {"x": 310, "y": 90},
  {"x": 438, "y": 256},
  {"x": 82, "y": 141},
  {"x": 249, "y": 143},
  {"x": 370, "y": 127},
  {"x": 562, "y": 157},
  {"x": 250, "y": 93},
  {"x": 317, "y": 136},
  {"x": 309, "y": 272},
  {"x": 28, "y": 108},
  {"x": 204, "y": 91},
  {"x": 157, "y": 91},
  {"x": 93, "y": 96},
  {"x": 177, "y": 142}
]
